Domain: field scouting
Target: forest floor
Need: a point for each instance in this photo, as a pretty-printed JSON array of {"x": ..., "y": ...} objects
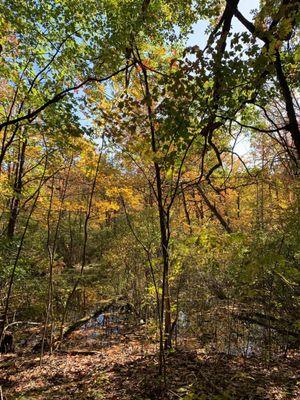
[{"x": 125, "y": 368}]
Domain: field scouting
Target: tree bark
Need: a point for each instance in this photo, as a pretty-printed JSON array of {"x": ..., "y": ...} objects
[
  {"x": 15, "y": 201},
  {"x": 214, "y": 210}
]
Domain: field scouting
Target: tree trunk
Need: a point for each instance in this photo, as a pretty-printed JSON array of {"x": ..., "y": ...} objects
[
  {"x": 165, "y": 334},
  {"x": 15, "y": 201}
]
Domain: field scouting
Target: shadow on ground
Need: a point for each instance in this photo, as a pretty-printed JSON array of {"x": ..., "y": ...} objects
[{"x": 133, "y": 376}]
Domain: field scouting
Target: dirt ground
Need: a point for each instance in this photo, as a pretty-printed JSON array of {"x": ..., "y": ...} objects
[{"x": 125, "y": 367}]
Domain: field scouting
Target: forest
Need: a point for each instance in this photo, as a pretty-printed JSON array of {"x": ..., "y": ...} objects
[{"x": 149, "y": 199}]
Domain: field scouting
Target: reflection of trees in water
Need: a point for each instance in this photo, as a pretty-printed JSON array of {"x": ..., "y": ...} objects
[
  {"x": 112, "y": 322},
  {"x": 229, "y": 335}
]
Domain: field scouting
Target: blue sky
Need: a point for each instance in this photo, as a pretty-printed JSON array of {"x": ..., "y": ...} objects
[{"x": 199, "y": 37}]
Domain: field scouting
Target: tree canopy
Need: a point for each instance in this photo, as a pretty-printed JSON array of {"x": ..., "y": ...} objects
[{"x": 150, "y": 174}]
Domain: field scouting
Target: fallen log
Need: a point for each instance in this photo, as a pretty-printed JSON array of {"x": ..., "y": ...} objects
[
  {"x": 103, "y": 308},
  {"x": 269, "y": 322}
]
